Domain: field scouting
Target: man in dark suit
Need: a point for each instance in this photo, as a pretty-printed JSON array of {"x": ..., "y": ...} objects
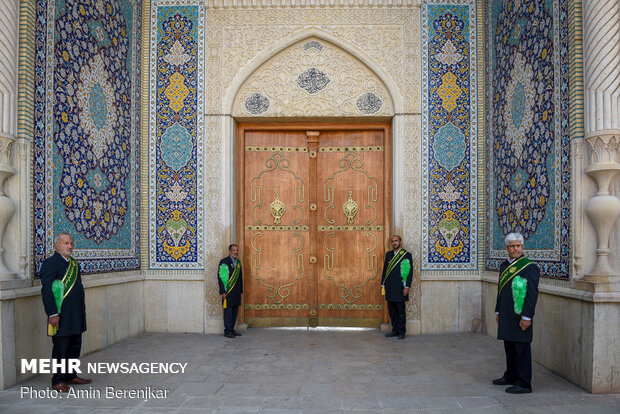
[
  {"x": 230, "y": 280},
  {"x": 395, "y": 284},
  {"x": 70, "y": 320},
  {"x": 516, "y": 301}
]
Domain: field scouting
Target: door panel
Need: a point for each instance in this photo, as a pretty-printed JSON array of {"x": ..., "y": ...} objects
[
  {"x": 276, "y": 225},
  {"x": 350, "y": 225},
  {"x": 313, "y": 225}
]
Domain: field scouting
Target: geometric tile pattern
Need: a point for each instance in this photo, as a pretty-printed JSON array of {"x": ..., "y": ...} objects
[
  {"x": 449, "y": 135},
  {"x": 176, "y": 118},
  {"x": 86, "y": 152},
  {"x": 528, "y": 116}
]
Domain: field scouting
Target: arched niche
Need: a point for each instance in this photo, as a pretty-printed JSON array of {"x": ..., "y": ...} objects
[{"x": 313, "y": 78}]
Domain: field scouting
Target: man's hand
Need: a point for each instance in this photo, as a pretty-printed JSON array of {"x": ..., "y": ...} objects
[
  {"x": 223, "y": 295},
  {"x": 497, "y": 317},
  {"x": 524, "y": 324},
  {"x": 405, "y": 291},
  {"x": 54, "y": 320}
]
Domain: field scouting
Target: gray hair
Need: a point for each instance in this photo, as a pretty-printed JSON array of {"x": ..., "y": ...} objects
[
  {"x": 512, "y": 237},
  {"x": 58, "y": 236}
]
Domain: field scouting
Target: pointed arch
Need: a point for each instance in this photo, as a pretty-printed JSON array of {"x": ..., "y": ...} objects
[{"x": 306, "y": 33}]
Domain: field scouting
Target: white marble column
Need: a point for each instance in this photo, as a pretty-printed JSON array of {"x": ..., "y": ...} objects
[
  {"x": 9, "y": 15},
  {"x": 601, "y": 20}
]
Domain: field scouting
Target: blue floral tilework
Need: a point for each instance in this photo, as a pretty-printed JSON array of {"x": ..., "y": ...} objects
[
  {"x": 85, "y": 145},
  {"x": 528, "y": 115},
  {"x": 176, "y": 122},
  {"x": 449, "y": 135}
]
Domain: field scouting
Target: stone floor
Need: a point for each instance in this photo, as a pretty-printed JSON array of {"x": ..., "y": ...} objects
[{"x": 311, "y": 371}]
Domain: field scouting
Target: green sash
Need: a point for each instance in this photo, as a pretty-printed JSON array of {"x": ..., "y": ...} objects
[
  {"x": 512, "y": 270},
  {"x": 229, "y": 282},
  {"x": 61, "y": 288},
  {"x": 232, "y": 281},
  {"x": 70, "y": 277},
  {"x": 395, "y": 260}
]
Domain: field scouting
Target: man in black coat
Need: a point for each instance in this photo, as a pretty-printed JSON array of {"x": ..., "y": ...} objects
[
  {"x": 395, "y": 284},
  {"x": 70, "y": 320},
  {"x": 516, "y": 301},
  {"x": 230, "y": 280}
]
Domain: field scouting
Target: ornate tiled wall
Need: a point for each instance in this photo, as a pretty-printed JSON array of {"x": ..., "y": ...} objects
[
  {"x": 528, "y": 117},
  {"x": 449, "y": 135},
  {"x": 85, "y": 130},
  {"x": 176, "y": 125}
]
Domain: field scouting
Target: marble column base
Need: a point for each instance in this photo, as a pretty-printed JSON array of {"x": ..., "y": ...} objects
[{"x": 609, "y": 284}]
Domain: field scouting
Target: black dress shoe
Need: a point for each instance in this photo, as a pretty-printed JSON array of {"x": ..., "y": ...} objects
[
  {"x": 235, "y": 333},
  {"x": 515, "y": 389},
  {"x": 391, "y": 334},
  {"x": 401, "y": 336},
  {"x": 229, "y": 335},
  {"x": 502, "y": 381}
]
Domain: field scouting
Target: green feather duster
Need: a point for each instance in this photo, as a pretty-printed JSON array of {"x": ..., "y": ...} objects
[
  {"x": 405, "y": 267},
  {"x": 58, "y": 290},
  {"x": 519, "y": 289},
  {"x": 224, "y": 274}
]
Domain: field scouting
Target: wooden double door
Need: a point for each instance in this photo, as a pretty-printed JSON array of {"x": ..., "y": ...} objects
[{"x": 313, "y": 218}]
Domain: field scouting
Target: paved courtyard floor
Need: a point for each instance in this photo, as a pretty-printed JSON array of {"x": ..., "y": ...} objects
[{"x": 307, "y": 371}]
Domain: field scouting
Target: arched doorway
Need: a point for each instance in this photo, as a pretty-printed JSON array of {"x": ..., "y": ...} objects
[
  {"x": 313, "y": 197},
  {"x": 313, "y": 220}
]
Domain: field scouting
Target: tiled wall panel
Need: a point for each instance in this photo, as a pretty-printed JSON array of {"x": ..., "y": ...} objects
[
  {"x": 528, "y": 116},
  {"x": 449, "y": 135},
  {"x": 176, "y": 119},
  {"x": 85, "y": 131}
]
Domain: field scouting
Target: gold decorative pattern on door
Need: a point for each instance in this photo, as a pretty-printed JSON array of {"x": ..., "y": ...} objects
[
  {"x": 350, "y": 172},
  {"x": 276, "y": 233},
  {"x": 313, "y": 225}
]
